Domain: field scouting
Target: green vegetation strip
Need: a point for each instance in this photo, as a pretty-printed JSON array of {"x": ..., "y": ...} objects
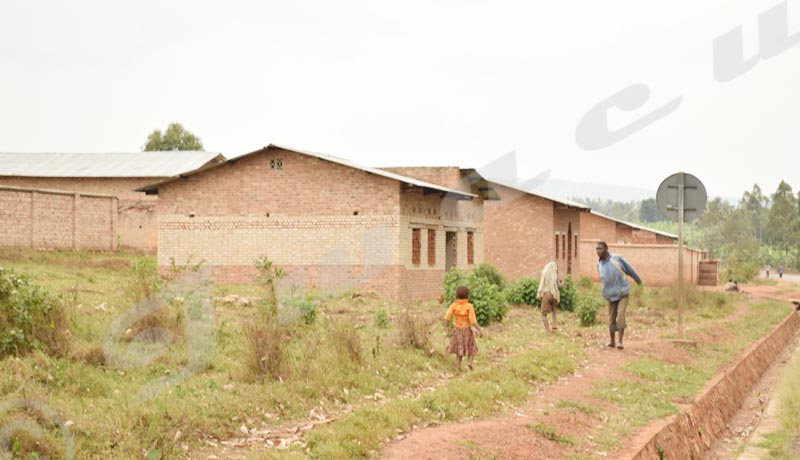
[
  {"x": 654, "y": 386},
  {"x": 469, "y": 395}
]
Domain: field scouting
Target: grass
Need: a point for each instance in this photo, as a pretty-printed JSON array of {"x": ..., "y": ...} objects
[
  {"x": 161, "y": 404},
  {"x": 782, "y": 443},
  {"x": 373, "y": 377},
  {"x": 549, "y": 432},
  {"x": 575, "y": 405},
  {"x": 652, "y": 388}
]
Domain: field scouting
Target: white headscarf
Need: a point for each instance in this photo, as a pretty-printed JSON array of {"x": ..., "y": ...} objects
[{"x": 549, "y": 281}]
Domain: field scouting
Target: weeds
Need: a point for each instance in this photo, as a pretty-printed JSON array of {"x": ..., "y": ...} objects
[
  {"x": 414, "y": 330},
  {"x": 550, "y": 433},
  {"x": 267, "y": 348}
]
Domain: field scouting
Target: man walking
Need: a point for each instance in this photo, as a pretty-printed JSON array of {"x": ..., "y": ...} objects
[{"x": 612, "y": 269}]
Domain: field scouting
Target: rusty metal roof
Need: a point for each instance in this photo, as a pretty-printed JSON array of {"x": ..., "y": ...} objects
[{"x": 136, "y": 164}]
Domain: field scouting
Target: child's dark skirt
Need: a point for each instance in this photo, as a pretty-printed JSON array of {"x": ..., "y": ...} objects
[{"x": 462, "y": 342}]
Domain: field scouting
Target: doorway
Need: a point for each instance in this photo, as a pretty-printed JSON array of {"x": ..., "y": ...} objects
[{"x": 450, "y": 250}]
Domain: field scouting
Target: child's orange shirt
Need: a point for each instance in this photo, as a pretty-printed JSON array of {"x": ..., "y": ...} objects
[{"x": 463, "y": 312}]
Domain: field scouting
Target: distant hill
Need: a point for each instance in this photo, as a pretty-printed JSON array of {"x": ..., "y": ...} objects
[
  {"x": 559, "y": 188},
  {"x": 564, "y": 189}
]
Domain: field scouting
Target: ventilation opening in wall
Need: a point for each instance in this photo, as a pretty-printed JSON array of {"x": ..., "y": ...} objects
[
  {"x": 276, "y": 163},
  {"x": 140, "y": 227},
  {"x": 191, "y": 214},
  {"x": 355, "y": 213},
  {"x": 267, "y": 214}
]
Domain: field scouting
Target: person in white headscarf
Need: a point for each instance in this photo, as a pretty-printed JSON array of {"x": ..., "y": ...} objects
[{"x": 549, "y": 294}]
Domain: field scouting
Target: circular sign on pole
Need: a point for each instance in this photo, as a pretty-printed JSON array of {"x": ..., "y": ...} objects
[{"x": 694, "y": 197}]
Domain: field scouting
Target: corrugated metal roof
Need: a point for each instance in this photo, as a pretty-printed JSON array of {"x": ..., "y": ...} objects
[
  {"x": 404, "y": 179},
  {"x": 136, "y": 164}
]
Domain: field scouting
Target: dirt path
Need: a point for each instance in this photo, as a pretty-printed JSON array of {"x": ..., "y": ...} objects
[{"x": 511, "y": 436}]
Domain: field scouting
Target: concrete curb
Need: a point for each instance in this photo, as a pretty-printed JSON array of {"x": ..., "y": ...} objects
[{"x": 688, "y": 434}]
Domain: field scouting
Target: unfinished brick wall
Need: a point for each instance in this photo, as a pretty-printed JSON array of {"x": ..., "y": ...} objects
[
  {"x": 518, "y": 236},
  {"x": 328, "y": 225},
  {"x": 46, "y": 219},
  {"x": 657, "y": 265}
]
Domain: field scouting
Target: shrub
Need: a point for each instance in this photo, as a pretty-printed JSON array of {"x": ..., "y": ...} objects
[
  {"x": 267, "y": 352},
  {"x": 345, "y": 340},
  {"x": 30, "y": 319},
  {"x": 268, "y": 276},
  {"x": 299, "y": 306},
  {"x": 145, "y": 278},
  {"x": 523, "y": 292},
  {"x": 568, "y": 295},
  {"x": 381, "y": 319},
  {"x": 414, "y": 331},
  {"x": 491, "y": 274},
  {"x": 585, "y": 283},
  {"x": 587, "y": 309},
  {"x": 487, "y": 298}
]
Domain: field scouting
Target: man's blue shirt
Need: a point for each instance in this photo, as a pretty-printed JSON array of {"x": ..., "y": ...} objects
[{"x": 615, "y": 284}]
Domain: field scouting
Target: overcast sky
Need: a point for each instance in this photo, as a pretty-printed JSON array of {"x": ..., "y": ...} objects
[{"x": 412, "y": 82}]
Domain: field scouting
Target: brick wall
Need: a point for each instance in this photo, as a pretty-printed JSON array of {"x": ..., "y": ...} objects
[
  {"x": 138, "y": 227},
  {"x": 518, "y": 236},
  {"x": 46, "y": 219},
  {"x": 656, "y": 264},
  {"x": 566, "y": 223},
  {"x": 446, "y": 176},
  {"x": 594, "y": 227},
  {"x": 329, "y": 226},
  {"x": 122, "y": 187}
]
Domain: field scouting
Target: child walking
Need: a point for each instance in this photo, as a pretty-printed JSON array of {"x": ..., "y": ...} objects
[
  {"x": 549, "y": 292},
  {"x": 462, "y": 342}
]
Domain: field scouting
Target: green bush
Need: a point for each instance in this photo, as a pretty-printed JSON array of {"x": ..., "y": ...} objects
[
  {"x": 587, "y": 309},
  {"x": 30, "y": 319},
  {"x": 381, "y": 319},
  {"x": 491, "y": 274},
  {"x": 569, "y": 295},
  {"x": 488, "y": 299},
  {"x": 299, "y": 306},
  {"x": 523, "y": 292},
  {"x": 585, "y": 283},
  {"x": 145, "y": 280}
]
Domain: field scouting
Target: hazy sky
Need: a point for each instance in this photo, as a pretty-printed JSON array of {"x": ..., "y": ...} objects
[{"x": 412, "y": 82}]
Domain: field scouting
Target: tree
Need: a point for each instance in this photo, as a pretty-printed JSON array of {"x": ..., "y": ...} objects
[
  {"x": 648, "y": 211},
  {"x": 782, "y": 222},
  {"x": 754, "y": 205},
  {"x": 176, "y": 137}
]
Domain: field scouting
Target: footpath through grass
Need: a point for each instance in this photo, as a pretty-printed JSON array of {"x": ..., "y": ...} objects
[{"x": 357, "y": 374}]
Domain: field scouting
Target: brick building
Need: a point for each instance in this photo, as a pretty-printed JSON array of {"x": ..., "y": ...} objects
[
  {"x": 107, "y": 174},
  {"x": 331, "y": 224},
  {"x": 524, "y": 230}
]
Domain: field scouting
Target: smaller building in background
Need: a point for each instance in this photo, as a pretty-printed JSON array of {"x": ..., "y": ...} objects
[{"x": 109, "y": 174}]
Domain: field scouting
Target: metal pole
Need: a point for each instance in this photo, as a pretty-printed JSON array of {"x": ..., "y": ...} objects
[{"x": 681, "y": 298}]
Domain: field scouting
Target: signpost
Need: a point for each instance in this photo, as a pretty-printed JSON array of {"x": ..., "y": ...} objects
[{"x": 681, "y": 197}]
